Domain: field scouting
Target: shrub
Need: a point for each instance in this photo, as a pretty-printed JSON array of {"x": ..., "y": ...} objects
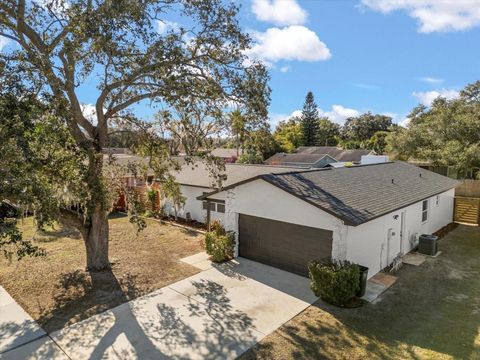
[
  {"x": 216, "y": 226},
  {"x": 219, "y": 244},
  {"x": 250, "y": 158},
  {"x": 152, "y": 197},
  {"x": 149, "y": 214},
  {"x": 335, "y": 282}
]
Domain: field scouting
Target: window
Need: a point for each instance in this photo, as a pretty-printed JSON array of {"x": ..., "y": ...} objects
[
  {"x": 424, "y": 211},
  {"x": 437, "y": 200},
  {"x": 214, "y": 206},
  {"x": 221, "y": 208}
]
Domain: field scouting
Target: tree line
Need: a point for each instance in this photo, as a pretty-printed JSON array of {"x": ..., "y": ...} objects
[{"x": 447, "y": 133}]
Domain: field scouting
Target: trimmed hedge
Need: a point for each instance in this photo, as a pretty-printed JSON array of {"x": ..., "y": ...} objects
[
  {"x": 219, "y": 244},
  {"x": 336, "y": 282}
]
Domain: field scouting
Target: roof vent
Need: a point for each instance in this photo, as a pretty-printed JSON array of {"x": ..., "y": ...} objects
[
  {"x": 393, "y": 182},
  {"x": 420, "y": 174}
]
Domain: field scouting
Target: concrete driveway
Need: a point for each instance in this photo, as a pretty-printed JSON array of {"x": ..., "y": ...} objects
[{"x": 219, "y": 313}]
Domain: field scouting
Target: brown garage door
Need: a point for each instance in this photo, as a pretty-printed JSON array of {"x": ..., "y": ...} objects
[{"x": 284, "y": 245}]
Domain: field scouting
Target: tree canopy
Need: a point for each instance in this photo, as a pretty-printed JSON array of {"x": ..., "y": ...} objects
[
  {"x": 199, "y": 66},
  {"x": 288, "y": 134},
  {"x": 363, "y": 127},
  {"x": 328, "y": 132},
  {"x": 445, "y": 134}
]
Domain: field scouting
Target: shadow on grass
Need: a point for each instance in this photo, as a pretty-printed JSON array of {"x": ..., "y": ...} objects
[
  {"x": 432, "y": 310},
  {"x": 50, "y": 235},
  {"x": 117, "y": 215}
]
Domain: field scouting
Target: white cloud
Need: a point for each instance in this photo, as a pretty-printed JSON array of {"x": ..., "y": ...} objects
[
  {"x": 284, "y": 69},
  {"x": 90, "y": 112},
  {"x": 280, "y": 12},
  {"x": 431, "y": 80},
  {"x": 164, "y": 26},
  {"x": 433, "y": 15},
  {"x": 405, "y": 122},
  {"x": 427, "y": 97},
  {"x": 365, "y": 86},
  {"x": 275, "y": 118},
  {"x": 289, "y": 43},
  {"x": 338, "y": 113},
  {"x": 296, "y": 113}
]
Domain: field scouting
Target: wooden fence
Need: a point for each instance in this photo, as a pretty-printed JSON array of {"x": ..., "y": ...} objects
[
  {"x": 469, "y": 188},
  {"x": 467, "y": 210}
]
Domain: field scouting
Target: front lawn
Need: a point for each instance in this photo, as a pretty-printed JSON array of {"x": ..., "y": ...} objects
[
  {"x": 432, "y": 312},
  {"x": 56, "y": 290}
]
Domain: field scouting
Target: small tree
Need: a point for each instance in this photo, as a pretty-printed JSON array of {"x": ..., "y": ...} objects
[
  {"x": 238, "y": 123},
  {"x": 172, "y": 191},
  {"x": 288, "y": 134},
  {"x": 250, "y": 158},
  {"x": 309, "y": 121}
]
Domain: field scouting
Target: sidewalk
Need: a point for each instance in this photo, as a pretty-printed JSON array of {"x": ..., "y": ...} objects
[{"x": 18, "y": 329}]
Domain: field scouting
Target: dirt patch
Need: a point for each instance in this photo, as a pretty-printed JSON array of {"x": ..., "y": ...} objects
[
  {"x": 426, "y": 314},
  {"x": 56, "y": 290}
]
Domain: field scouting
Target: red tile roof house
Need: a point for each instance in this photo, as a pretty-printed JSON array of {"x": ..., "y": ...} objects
[{"x": 368, "y": 214}]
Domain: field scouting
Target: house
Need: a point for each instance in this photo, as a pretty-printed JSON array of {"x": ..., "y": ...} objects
[
  {"x": 367, "y": 214},
  {"x": 195, "y": 180},
  {"x": 317, "y": 156},
  {"x": 229, "y": 156}
]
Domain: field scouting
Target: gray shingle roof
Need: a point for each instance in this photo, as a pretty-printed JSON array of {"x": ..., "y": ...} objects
[
  {"x": 335, "y": 152},
  {"x": 283, "y": 158},
  {"x": 362, "y": 193},
  {"x": 311, "y": 154},
  {"x": 226, "y": 153},
  {"x": 198, "y": 174}
]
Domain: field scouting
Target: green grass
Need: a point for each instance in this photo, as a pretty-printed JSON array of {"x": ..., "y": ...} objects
[{"x": 432, "y": 312}]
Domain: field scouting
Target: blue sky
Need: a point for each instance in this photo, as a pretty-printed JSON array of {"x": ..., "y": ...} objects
[{"x": 384, "y": 56}]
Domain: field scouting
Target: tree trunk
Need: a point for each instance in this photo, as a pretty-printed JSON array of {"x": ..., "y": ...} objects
[{"x": 96, "y": 241}]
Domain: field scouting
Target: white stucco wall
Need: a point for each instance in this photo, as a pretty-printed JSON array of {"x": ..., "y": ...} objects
[
  {"x": 259, "y": 198},
  {"x": 193, "y": 205},
  {"x": 367, "y": 244}
]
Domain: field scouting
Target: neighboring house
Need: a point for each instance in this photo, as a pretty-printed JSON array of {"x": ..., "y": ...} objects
[
  {"x": 317, "y": 156},
  {"x": 195, "y": 180},
  {"x": 229, "y": 156},
  {"x": 368, "y": 214}
]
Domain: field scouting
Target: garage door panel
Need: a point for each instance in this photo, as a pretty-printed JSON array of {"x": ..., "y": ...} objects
[{"x": 283, "y": 245}]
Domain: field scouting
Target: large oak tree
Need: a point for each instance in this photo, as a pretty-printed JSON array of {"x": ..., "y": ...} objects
[
  {"x": 134, "y": 54},
  {"x": 445, "y": 134}
]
